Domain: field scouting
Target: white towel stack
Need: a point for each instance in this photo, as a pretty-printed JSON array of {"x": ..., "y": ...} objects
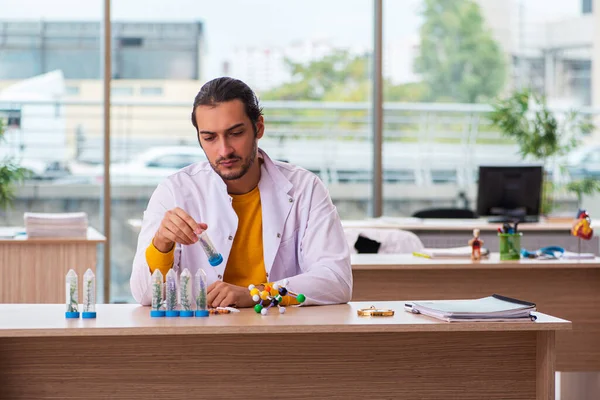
[{"x": 71, "y": 225}]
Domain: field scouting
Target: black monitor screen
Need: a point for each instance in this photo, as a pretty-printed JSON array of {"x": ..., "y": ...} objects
[{"x": 510, "y": 190}]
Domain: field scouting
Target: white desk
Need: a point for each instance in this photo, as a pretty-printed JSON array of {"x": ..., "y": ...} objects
[{"x": 457, "y": 232}]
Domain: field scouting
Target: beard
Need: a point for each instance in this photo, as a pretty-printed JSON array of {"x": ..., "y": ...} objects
[{"x": 237, "y": 174}]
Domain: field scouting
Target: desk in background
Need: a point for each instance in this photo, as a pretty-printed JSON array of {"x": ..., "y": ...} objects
[
  {"x": 569, "y": 289},
  {"x": 33, "y": 269},
  {"x": 309, "y": 352},
  {"x": 457, "y": 232}
]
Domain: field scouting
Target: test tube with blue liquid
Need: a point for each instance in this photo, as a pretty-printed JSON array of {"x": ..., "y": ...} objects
[
  {"x": 72, "y": 295},
  {"x": 201, "y": 307},
  {"x": 157, "y": 295},
  {"x": 89, "y": 294},
  {"x": 214, "y": 257},
  {"x": 187, "y": 299},
  {"x": 171, "y": 296}
]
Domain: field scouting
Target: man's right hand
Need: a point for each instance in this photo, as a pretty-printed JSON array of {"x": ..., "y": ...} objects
[{"x": 177, "y": 227}]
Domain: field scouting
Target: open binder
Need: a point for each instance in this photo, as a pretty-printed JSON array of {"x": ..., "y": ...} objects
[{"x": 495, "y": 308}]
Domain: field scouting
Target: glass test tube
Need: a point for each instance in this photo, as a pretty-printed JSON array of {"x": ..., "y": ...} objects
[
  {"x": 72, "y": 295},
  {"x": 157, "y": 295},
  {"x": 187, "y": 299},
  {"x": 89, "y": 295},
  {"x": 171, "y": 297},
  {"x": 201, "y": 306},
  {"x": 214, "y": 257}
]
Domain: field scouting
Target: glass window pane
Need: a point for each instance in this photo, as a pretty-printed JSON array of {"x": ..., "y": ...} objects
[
  {"x": 47, "y": 65},
  {"x": 310, "y": 69},
  {"x": 151, "y": 91},
  {"x": 118, "y": 91},
  {"x": 445, "y": 63}
]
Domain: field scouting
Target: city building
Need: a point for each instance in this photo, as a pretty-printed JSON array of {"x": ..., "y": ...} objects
[
  {"x": 140, "y": 50},
  {"x": 553, "y": 56}
]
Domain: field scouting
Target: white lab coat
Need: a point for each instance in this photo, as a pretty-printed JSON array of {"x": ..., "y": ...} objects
[{"x": 303, "y": 238}]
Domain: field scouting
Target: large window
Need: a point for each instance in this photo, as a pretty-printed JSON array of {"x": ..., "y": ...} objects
[
  {"x": 310, "y": 69},
  {"x": 311, "y": 63},
  {"x": 48, "y": 130},
  {"x": 444, "y": 62}
]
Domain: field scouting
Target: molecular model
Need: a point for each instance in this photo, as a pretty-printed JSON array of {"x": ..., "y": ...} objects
[{"x": 272, "y": 296}]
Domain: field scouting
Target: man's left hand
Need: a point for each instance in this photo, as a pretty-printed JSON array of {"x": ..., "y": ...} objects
[{"x": 221, "y": 294}]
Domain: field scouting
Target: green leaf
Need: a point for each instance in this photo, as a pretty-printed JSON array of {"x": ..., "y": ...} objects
[
  {"x": 10, "y": 175},
  {"x": 587, "y": 186},
  {"x": 459, "y": 59},
  {"x": 525, "y": 118}
]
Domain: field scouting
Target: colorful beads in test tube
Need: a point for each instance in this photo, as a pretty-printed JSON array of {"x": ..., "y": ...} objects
[
  {"x": 201, "y": 307},
  {"x": 171, "y": 297},
  {"x": 157, "y": 295},
  {"x": 187, "y": 298},
  {"x": 89, "y": 295},
  {"x": 72, "y": 295},
  {"x": 214, "y": 257}
]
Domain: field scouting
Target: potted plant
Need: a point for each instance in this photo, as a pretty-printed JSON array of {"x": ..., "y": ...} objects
[
  {"x": 10, "y": 174},
  {"x": 524, "y": 117}
]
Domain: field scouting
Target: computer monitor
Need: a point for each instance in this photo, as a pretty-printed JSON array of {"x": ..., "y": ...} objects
[{"x": 509, "y": 193}]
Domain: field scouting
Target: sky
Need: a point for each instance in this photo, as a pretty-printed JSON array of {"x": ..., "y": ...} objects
[{"x": 231, "y": 23}]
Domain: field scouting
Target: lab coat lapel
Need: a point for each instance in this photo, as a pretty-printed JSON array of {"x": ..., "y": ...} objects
[{"x": 276, "y": 205}]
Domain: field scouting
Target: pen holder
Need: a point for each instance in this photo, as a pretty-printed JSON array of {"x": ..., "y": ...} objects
[{"x": 510, "y": 246}]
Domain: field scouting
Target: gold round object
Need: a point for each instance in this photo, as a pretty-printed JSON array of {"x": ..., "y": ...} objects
[{"x": 375, "y": 312}]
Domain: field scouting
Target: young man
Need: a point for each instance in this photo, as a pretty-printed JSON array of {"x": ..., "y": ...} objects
[{"x": 269, "y": 220}]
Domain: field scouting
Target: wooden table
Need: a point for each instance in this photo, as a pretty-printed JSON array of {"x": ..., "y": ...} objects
[
  {"x": 457, "y": 232},
  {"x": 569, "y": 289},
  {"x": 33, "y": 269},
  {"x": 309, "y": 352}
]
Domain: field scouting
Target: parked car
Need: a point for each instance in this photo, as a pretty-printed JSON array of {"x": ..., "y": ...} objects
[
  {"x": 42, "y": 170},
  {"x": 147, "y": 168}
]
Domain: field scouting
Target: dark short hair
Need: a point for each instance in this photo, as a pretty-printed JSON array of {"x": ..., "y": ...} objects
[{"x": 220, "y": 90}]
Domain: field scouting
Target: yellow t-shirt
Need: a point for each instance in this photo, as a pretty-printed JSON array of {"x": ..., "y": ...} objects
[{"x": 246, "y": 263}]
